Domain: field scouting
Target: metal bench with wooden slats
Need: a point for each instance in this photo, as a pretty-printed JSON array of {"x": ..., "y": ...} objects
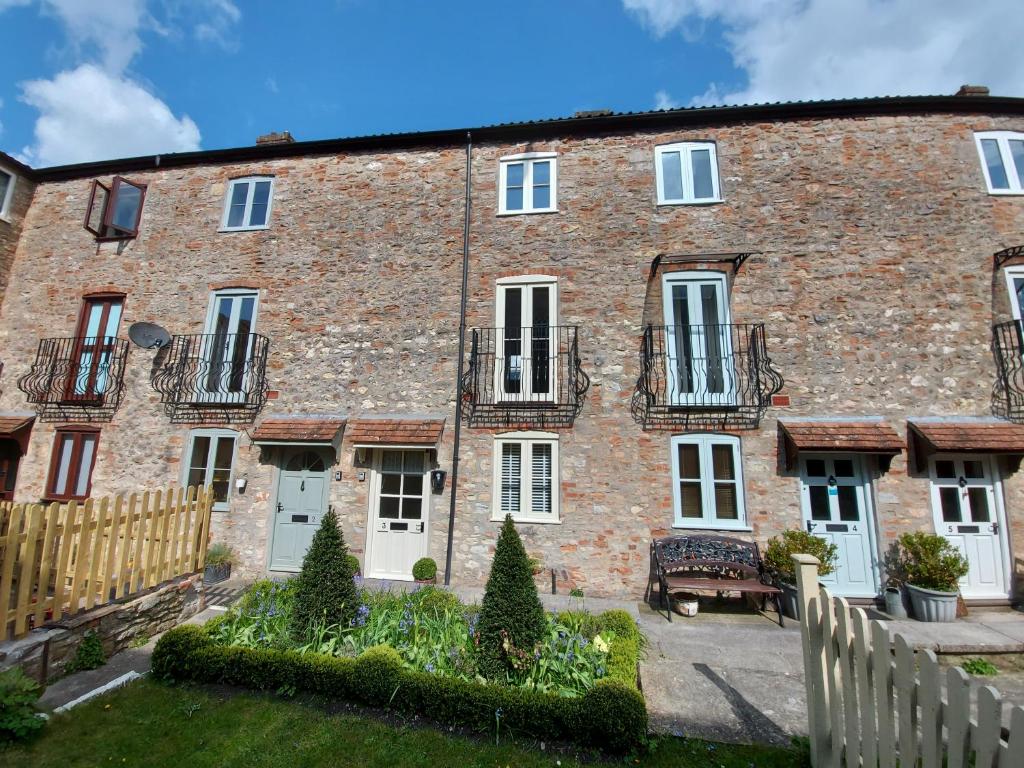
[{"x": 703, "y": 562}]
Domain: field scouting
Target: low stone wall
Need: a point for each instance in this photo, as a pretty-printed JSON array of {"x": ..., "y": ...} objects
[{"x": 45, "y": 652}]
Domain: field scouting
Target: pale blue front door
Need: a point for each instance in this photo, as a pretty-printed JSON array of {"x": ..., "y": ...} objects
[{"x": 301, "y": 504}]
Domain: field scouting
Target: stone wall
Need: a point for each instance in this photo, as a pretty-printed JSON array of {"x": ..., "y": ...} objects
[
  {"x": 873, "y": 276},
  {"x": 10, "y": 227},
  {"x": 44, "y": 653}
]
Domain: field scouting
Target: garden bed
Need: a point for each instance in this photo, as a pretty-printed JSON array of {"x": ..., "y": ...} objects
[{"x": 417, "y": 653}]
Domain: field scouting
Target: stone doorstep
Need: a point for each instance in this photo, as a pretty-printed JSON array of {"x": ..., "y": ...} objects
[{"x": 980, "y": 633}]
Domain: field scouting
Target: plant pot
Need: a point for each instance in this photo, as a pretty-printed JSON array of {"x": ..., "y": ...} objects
[
  {"x": 894, "y": 603},
  {"x": 932, "y": 605},
  {"x": 685, "y": 604},
  {"x": 424, "y": 582},
  {"x": 216, "y": 573},
  {"x": 790, "y": 600}
]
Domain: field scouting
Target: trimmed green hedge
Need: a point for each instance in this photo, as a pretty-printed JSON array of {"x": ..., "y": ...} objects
[{"x": 612, "y": 714}]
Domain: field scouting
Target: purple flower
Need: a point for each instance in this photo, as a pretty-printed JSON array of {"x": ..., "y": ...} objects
[{"x": 429, "y": 667}]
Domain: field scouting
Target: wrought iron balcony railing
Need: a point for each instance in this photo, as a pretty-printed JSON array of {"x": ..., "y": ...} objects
[
  {"x": 1008, "y": 391},
  {"x": 524, "y": 376},
  {"x": 213, "y": 377},
  {"x": 704, "y": 376},
  {"x": 78, "y": 377}
]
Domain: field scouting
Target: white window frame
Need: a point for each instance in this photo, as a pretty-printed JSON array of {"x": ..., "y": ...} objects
[
  {"x": 526, "y": 283},
  {"x": 186, "y": 464},
  {"x": 8, "y": 198},
  {"x": 707, "y": 482},
  {"x": 527, "y": 440},
  {"x": 685, "y": 148},
  {"x": 251, "y": 182},
  {"x": 1002, "y": 139},
  {"x": 527, "y": 159},
  {"x": 1011, "y": 273}
]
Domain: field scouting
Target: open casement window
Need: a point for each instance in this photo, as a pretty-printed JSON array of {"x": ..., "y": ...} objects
[
  {"x": 526, "y": 477},
  {"x": 698, "y": 340},
  {"x": 7, "y": 180},
  {"x": 687, "y": 173},
  {"x": 74, "y": 455},
  {"x": 707, "y": 481},
  {"x": 225, "y": 349},
  {"x": 1002, "y": 160},
  {"x": 210, "y": 458},
  {"x": 527, "y": 183},
  {"x": 527, "y": 351},
  {"x": 93, "y": 349},
  {"x": 248, "y": 203},
  {"x": 114, "y": 212}
]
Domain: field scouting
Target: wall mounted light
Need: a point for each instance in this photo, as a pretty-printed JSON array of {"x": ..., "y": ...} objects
[
  {"x": 240, "y": 483},
  {"x": 437, "y": 477}
]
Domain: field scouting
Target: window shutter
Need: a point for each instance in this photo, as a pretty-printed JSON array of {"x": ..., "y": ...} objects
[
  {"x": 540, "y": 490},
  {"x": 511, "y": 475}
]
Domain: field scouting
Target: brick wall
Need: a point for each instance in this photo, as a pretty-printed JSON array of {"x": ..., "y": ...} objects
[
  {"x": 874, "y": 279},
  {"x": 10, "y": 227}
]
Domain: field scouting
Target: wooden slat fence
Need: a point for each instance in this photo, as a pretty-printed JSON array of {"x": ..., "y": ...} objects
[
  {"x": 875, "y": 702},
  {"x": 58, "y": 559}
]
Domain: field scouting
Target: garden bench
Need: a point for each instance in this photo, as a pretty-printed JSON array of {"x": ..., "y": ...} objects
[{"x": 711, "y": 563}]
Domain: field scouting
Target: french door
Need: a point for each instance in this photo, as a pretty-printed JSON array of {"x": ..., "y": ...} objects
[
  {"x": 93, "y": 349},
  {"x": 967, "y": 512},
  {"x": 225, "y": 350},
  {"x": 527, "y": 342},
  {"x": 835, "y": 498},
  {"x": 698, "y": 343}
]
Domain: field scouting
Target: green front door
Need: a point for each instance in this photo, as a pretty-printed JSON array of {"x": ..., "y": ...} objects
[{"x": 301, "y": 504}]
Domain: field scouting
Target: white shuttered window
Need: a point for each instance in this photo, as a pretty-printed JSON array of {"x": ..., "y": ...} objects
[{"x": 526, "y": 473}]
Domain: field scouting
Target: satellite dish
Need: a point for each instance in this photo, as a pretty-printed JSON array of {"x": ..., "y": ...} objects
[{"x": 149, "y": 335}]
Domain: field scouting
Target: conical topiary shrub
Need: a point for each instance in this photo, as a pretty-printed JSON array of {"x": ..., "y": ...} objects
[
  {"x": 511, "y": 609},
  {"x": 324, "y": 591}
]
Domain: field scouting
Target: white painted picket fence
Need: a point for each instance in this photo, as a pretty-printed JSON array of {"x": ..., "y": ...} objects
[{"x": 870, "y": 706}]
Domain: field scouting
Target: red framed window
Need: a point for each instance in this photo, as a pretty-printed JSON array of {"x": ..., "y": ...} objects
[
  {"x": 74, "y": 456},
  {"x": 114, "y": 212},
  {"x": 93, "y": 348}
]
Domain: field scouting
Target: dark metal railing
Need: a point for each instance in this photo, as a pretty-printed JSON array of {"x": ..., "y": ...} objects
[
  {"x": 78, "y": 377},
  {"x": 704, "y": 376},
  {"x": 1008, "y": 391},
  {"x": 213, "y": 377},
  {"x": 527, "y": 376}
]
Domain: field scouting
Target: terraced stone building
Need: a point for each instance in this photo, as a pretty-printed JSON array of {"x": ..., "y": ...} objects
[{"x": 738, "y": 319}]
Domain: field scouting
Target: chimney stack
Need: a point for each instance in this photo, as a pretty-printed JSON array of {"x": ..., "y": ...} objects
[
  {"x": 283, "y": 137},
  {"x": 972, "y": 90},
  {"x": 593, "y": 113}
]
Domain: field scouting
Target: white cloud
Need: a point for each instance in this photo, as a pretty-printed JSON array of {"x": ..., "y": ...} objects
[
  {"x": 111, "y": 26},
  {"x": 90, "y": 114},
  {"x": 813, "y": 49},
  {"x": 219, "y": 18},
  {"x": 664, "y": 100}
]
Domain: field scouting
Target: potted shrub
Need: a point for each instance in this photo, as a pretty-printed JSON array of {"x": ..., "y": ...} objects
[
  {"x": 931, "y": 569},
  {"x": 219, "y": 559},
  {"x": 353, "y": 563},
  {"x": 424, "y": 571},
  {"x": 778, "y": 561}
]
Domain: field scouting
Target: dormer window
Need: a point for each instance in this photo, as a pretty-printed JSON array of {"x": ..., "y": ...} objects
[
  {"x": 687, "y": 173},
  {"x": 114, "y": 212},
  {"x": 247, "y": 205},
  {"x": 1002, "y": 160}
]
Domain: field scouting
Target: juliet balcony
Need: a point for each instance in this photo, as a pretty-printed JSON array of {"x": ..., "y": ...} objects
[
  {"x": 704, "y": 377},
  {"x": 1008, "y": 391},
  {"x": 77, "y": 378},
  {"x": 524, "y": 377},
  {"x": 214, "y": 377}
]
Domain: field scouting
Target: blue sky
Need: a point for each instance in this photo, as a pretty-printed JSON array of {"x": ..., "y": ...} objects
[{"x": 88, "y": 79}]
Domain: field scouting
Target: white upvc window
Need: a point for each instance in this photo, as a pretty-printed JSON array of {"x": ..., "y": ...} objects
[
  {"x": 7, "y": 180},
  {"x": 526, "y": 477},
  {"x": 209, "y": 462},
  {"x": 687, "y": 173},
  {"x": 248, "y": 203},
  {"x": 707, "y": 482},
  {"x": 1002, "y": 160},
  {"x": 528, "y": 183}
]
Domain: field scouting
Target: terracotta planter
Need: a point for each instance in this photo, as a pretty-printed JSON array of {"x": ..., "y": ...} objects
[
  {"x": 424, "y": 582},
  {"x": 932, "y": 605}
]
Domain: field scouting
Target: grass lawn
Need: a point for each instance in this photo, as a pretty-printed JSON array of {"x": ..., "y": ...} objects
[{"x": 151, "y": 724}]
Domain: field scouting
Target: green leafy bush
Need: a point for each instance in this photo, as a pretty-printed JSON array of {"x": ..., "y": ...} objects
[
  {"x": 18, "y": 718},
  {"x": 778, "y": 554},
  {"x": 325, "y": 592},
  {"x": 220, "y": 553},
  {"x": 88, "y": 655},
  {"x": 353, "y": 563},
  {"x": 979, "y": 666},
  {"x": 929, "y": 561},
  {"x": 511, "y": 615},
  {"x": 424, "y": 569}
]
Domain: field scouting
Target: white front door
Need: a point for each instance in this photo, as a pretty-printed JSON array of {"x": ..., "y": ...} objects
[
  {"x": 527, "y": 341},
  {"x": 226, "y": 348},
  {"x": 698, "y": 343},
  {"x": 967, "y": 512},
  {"x": 301, "y": 504},
  {"x": 399, "y": 513},
  {"x": 836, "y": 507}
]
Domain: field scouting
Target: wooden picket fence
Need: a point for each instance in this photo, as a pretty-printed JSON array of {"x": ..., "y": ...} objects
[
  {"x": 875, "y": 703},
  {"x": 58, "y": 559}
]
